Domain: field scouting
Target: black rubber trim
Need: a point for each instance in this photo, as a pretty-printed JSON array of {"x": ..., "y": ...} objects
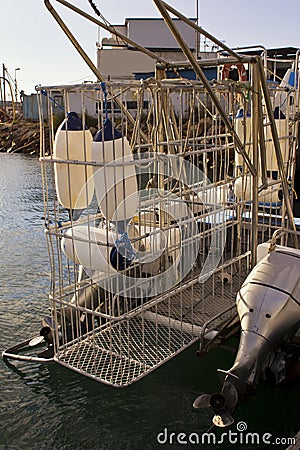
[
  {"x": 287, "y": 253},
  {"x": 276, "y": 289}
]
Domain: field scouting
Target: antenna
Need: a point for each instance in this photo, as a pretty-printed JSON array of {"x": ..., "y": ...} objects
[{"x": 197, "y": 32}]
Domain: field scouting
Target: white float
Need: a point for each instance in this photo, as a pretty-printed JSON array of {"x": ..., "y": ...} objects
[
  {"x": 243, "y": 190},
  {"x": 283, "y": 135},
  {"x": 242, "y": 127},
  {"x": 95, "y": 248},
  {"x": 71, "y": 142},
  {"x": 89, "y": 246},
  {"x": 281, "y": 96},
  {"x": 115, "y": 178}
]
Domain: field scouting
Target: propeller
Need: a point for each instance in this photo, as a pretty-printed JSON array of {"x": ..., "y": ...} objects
[
  {"x": 222, "y": 418},
  {"x": 36, "y": 341},
  {"x": 203, "y": 401},
  {"x": 45, "y": 333},
  {"x": 222, "y": 404}
]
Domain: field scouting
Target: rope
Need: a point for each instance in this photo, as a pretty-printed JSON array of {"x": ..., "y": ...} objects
[
  {"x": 96, "y": 10},
  {"x": 138, "y": 122},
  {"x": 105, "y": 93},
  {"x": 98, "y": 13},
  {"x": 103, "y": 87},
  {"x": 45, "y": 93}
]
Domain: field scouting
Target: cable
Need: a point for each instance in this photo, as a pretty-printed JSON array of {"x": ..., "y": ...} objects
[{"x": 98, "y": 13}]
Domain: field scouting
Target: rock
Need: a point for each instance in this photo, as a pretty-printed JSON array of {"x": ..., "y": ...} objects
[{"x": 20, "y": 137}]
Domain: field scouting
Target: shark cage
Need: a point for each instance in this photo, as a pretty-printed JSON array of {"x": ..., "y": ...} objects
[{"x": 157, "y": 193}]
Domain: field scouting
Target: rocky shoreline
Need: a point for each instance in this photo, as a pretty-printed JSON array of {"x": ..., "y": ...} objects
[{"x": 20, "y": 136}]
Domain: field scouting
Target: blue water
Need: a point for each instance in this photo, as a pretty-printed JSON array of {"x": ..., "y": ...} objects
[{"x": 50, "y": 407}]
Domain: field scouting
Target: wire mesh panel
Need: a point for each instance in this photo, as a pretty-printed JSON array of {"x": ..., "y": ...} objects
[{"x": 151, "y": 214}]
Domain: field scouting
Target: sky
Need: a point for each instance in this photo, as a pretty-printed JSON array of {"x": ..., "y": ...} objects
[{"x": 31, "y": 40}]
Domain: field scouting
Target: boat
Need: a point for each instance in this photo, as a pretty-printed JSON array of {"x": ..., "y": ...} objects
[{"x": 156, "y": 227}]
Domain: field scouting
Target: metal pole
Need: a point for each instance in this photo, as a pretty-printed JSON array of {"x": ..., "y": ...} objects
[
  {"x": 112, "y": 30},
  {"x": 90, "y": 63},
  {"x": 4, "y": 92},
  {"x": 16, "y": 86},
  {"x": 74, "y": 41},
  {"x": 199, "y": 29},
  {"x": 276, "y": 143},
  {"x": 186, "y": 50},
  {"x": 212, "y": 61},
  {"x": 197, "y": 32},
  {"x": 160, "y": 74},
  {"x": 261, "y": 135},
  {"x": 255, "y": 128}
]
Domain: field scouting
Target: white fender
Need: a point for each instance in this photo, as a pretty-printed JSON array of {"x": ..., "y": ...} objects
[
  {"x": 243, "y": 190},
  {"x": 156, "y": 244},
  {"x": 242, "y": 126},
  {"x": 282, "y": 130},
  {"x": 281, "y": 97},
  {"x": 89, "y": 246},
  {"x": 73, "y": 143},
  {"x": 116, "y": 186},
  {"x": 92, "y": 247}
]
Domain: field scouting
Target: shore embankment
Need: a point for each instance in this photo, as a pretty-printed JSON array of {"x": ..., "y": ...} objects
[{"x": 20, "y": 136}]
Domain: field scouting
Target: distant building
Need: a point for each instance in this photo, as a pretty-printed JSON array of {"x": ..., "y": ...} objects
[{"x": 117, "y": 60}]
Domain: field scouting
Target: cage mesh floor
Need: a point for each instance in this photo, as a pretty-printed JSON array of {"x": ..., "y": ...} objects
[
  {"x": 122, "y": 353},
  {"x": 127, "y": 350}
]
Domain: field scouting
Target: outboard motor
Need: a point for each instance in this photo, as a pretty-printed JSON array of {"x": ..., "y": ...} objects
[
  {"x": 268, "y": 305},
  {"x": 47, "y": 335}
]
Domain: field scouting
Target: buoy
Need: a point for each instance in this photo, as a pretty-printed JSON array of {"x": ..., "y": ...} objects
[
  {"x": 115, "y": 179},
  {"x": 72, "y": 142},
  {"x": 93, "y": 248},
  {"x": 156, "y": 243},
  {"x": 241, "y": 72},
  {"x": 283, "y": 135},
  {"x": 242, "y": 128},
  {"x": 269, "y": 196},
  {"x": 107, "y": 251},
  {"x": 281, "y": 96}
]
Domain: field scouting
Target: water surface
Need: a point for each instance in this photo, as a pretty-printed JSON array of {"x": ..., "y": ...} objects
[{"x": 50, "y": 407}]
